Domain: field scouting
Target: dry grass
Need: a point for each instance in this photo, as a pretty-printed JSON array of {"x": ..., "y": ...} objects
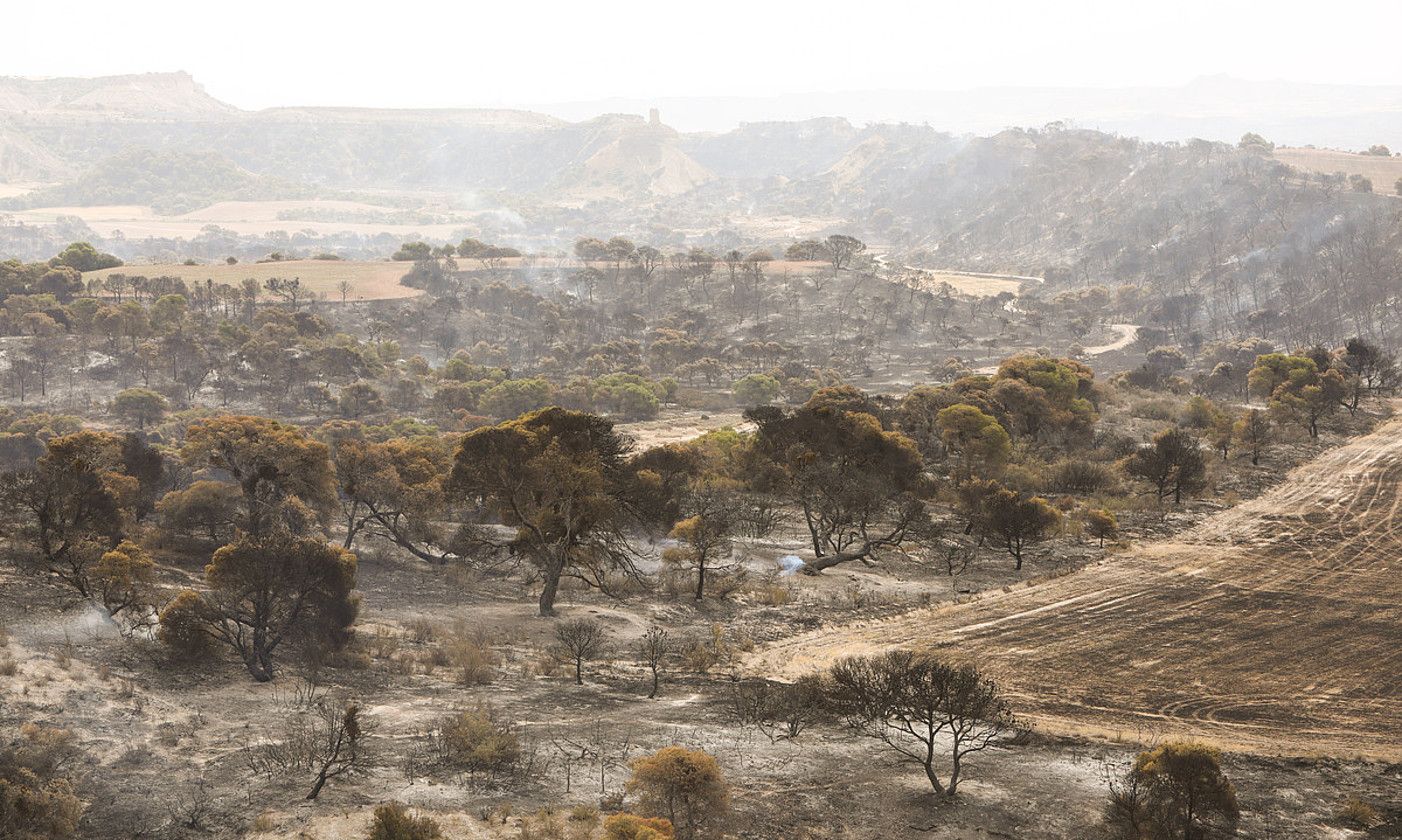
[
  {"x": 1382, "y": 171},
  {"x": 369, "y": 280}
]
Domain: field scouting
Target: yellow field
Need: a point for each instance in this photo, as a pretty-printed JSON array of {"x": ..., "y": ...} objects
[
  {"x": 979, "y": 285},
  {"x": 369, "y": 280},
  {"x": 1382, "y": 171}
]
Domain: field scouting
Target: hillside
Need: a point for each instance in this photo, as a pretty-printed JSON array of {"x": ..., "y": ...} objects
[
  {"x": 1294, "y": 584},
  {"x": 140, "y": 95},
  {"x": 1383, "y": 172}
]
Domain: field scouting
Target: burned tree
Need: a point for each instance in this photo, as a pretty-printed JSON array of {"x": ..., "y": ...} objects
[
  {"x": 912, "y": 702},
  {"x": 860, "y": 486},
  {"x": 556, "y": 476}
]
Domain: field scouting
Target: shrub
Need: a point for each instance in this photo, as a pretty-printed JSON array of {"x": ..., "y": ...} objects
[
  {"x": 1084, "y": 477},
  {"x": 182, "y": 627},
  {"x": 394, "y": 822},
  {"x": 36, "y": 801},
  {"x": 634, "y": 827},
  {"x": 1357, "y": 812},
  {"x": 475, "y": 742},
  {"x": 685, "y": 786}
]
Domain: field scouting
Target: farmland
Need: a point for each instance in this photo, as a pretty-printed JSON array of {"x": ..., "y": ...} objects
[
  {"x": 369, "y": 280},
  {"x": 1270, "y": 627},
  {"x": 1382, "y": 171}
]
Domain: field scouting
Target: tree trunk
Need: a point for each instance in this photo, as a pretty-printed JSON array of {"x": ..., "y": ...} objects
[
  {"x": 320, "y": 783},
  {"x": 700, "y": 580},
  {"x": 934, "y": 778},
  {"x": 821, "y": 563},
  {"x": 653, "y": 693},
  {"x": 547, "y": 595}
]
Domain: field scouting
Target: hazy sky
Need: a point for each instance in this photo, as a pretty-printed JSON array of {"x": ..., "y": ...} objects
[{"x": 257, "y": 53}]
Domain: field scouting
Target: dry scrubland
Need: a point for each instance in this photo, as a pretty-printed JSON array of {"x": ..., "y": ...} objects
[
  {"x": 369, "y": 280},
  {"x": 1274, "y": 626}
]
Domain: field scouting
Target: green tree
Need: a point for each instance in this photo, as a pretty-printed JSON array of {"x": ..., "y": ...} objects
[
  {"x": 82, "y": 256},
  {"x": 515, "y": 397},
  {"x": 557, "y": 477},
  {"x": 280, "y": 471},
  {"x": 140, "y": 405},
  {"x": 414, "y": 251},
  {"x": 755, "y": 389},
  {"x": 981, "y": 443},
  {"x": 263, "y": 592},
  {"x": 859, "y": 485},
  {"x": 1173, "y": 464}
]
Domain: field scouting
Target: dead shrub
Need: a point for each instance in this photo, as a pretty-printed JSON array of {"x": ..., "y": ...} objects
[
  {"x": 1359, "y": 813},
  {"x": 421, "y": 631}
]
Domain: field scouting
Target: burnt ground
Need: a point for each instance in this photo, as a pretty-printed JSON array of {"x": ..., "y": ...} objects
[{"x": 166, "y": 745}]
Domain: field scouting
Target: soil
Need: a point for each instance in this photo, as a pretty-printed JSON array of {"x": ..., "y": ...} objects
[{"x": 1273, "y": 627}]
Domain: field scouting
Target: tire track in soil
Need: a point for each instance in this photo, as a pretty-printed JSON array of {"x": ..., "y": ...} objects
[{"x": 1273, "y": 627}]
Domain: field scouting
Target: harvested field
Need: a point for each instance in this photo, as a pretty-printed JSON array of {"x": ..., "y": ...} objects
[
  {"x": 1273, "y": 627},
  {"x": 370, "y": 280},
  {"x": 979, "y": 285},
  {"x": 1382, "y": 171}
]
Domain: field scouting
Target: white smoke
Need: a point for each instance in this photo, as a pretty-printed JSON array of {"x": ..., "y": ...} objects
[{"x": 789, "y": 564}]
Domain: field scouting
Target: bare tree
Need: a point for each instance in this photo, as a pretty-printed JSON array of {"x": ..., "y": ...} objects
[
  {"x": 913, "y": 702},
  {"x": 781, "y": 711},
  {"x": 327, "y": 740},
  {"x": 653, "y": 649},
  {"x": 580, "y": 641}
]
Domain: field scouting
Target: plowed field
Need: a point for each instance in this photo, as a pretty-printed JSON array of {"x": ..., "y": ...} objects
[{"x": 1273, "y": 627}]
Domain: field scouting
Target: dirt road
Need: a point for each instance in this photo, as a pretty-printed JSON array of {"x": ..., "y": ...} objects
[
  {"x": 1128, "y": 333},
  {"x": 1273, "y": 627}
]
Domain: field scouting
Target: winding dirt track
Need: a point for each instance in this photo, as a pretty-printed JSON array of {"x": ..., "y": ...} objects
[{"x": 1274, "y": 627}]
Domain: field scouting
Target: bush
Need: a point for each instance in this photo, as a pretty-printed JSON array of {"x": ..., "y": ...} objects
[
  {"x": 394, "y": 822},
  {"x": 1084, "y": 477},
  {"x": 634, "y": 827},
  {"x": 36, "y": 801},
  {"x": 685, "y": 786},
  {"x": 182, "y": 625},
  {"x": 1357, "y": 812},
  {"x": 755, "y": 389},
  {"x": 473, "y": 741}
]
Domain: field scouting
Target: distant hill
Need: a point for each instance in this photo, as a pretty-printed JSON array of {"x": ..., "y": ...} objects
[
  {"x": 56, "y": 130},
  {"x": 141, "y": 95},
  {"x": 1212, "y": 108}
]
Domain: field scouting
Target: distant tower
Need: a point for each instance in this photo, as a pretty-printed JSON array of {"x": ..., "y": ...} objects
[{"x": 653, "y": 118}]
